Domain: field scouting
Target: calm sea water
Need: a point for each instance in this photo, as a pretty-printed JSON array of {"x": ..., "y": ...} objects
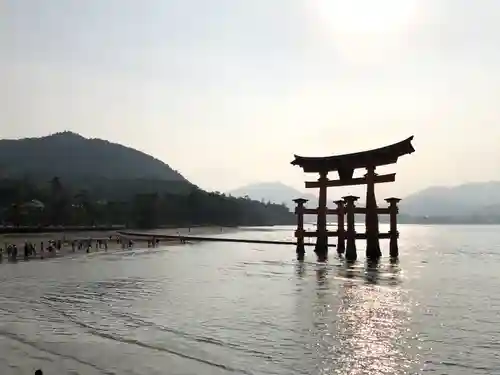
[{"x": 222, "y": 308}]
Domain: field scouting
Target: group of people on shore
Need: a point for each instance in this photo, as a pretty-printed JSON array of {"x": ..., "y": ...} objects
[{"x": 10, "y": 251}]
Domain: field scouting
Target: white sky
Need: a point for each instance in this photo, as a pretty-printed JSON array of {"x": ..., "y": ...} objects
[{"x": 226, "y": 91}]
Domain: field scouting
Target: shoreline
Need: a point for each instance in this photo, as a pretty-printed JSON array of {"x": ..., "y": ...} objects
[
  {"x": 7, "y": 230},
  {"x": 61, "y": 229},
  {"x": 110, "y": 237}
]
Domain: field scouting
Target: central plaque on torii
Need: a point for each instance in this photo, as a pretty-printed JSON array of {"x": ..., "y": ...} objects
[{"x": 345, "y": 165}]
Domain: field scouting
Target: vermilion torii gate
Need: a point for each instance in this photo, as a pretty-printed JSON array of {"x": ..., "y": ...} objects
[{"x": 345, "y": 165}]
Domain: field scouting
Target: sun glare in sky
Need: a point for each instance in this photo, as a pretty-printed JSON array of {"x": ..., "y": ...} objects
[
  {"x": 363, "y": 30},
  {"x": 367, "y": 16}
]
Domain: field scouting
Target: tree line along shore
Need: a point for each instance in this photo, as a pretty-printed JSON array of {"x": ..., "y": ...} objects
[{"x": 27, "y": 206}]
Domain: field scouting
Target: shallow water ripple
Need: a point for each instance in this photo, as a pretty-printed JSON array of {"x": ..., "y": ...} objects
[{"x": 219, "y": 308}]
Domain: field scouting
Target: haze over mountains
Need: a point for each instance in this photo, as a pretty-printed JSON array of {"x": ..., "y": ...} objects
[
  {"x": 468, "y": 199},
  {"x": 275, "y": 192},
  {"x": 473, "y": 199},
  {"x": 110, "y": 169}
]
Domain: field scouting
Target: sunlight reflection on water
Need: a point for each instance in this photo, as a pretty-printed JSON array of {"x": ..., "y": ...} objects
[{"x": 360, "y": 327}]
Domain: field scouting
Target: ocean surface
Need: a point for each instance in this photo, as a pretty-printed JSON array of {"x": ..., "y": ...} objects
[{"x": 226, "y": 308}]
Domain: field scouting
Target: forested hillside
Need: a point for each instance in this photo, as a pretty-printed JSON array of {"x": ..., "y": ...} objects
[
  {"x": 72, "y": 157},
  {"x": 66, "y": 179}
]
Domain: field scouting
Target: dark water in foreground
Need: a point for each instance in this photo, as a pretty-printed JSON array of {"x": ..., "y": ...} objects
[{"x": 222, "y": 308}]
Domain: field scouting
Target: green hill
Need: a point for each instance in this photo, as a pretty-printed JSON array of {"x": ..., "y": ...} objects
[
  {"x": 73, "y": 157},
  {"x": 84, "y": 181}
]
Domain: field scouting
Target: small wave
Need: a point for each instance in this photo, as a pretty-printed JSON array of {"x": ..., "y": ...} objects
[
  {"x": 97, "y": 332},
  {"x": 460, "y": 365},
  {"x": 43, "y": 349}
]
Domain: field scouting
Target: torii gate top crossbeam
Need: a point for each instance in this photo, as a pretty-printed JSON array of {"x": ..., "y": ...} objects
[{"x": 348, "y": 162}]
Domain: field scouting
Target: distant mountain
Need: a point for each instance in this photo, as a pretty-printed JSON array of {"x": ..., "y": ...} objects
[
  {"x": 468, "y": 203},
  {"x": 82, "y": 161},
  {"x": 274, "y": 192},
  {"x": 467, "y": 199}
]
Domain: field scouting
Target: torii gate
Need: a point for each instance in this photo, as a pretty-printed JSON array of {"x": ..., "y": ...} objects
[{"x": 345, "y": 165}]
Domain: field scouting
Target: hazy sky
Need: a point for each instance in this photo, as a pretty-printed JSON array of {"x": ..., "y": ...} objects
[{"x": 226, "y": 91}]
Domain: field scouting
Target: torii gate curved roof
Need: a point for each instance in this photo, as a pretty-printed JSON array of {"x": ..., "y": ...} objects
[{"x": 348, "y": 162}]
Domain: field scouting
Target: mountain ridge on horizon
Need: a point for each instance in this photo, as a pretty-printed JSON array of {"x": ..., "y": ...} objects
[
  {"x": 272, "y": 191},
  {"x": 74, "y": 157},
  {"x": 475, "y": 198},
  {"x": 453, "y": 200}
]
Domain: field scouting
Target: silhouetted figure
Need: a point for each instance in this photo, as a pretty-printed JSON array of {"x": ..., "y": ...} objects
[
  {"x": 14, "y": 253},
  {"x": 38, "y": 372}
]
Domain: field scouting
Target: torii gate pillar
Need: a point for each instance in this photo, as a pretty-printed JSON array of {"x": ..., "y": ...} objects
[
  {"x": 321, "y": 248},
  {"x": 371, "y": 217}
]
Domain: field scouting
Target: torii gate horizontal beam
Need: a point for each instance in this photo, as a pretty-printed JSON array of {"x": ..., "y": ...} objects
[
  {"x": 359, "y": 236},
  {"x": 335, "y": 211},
  {"x": 352, "y": 181}
]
